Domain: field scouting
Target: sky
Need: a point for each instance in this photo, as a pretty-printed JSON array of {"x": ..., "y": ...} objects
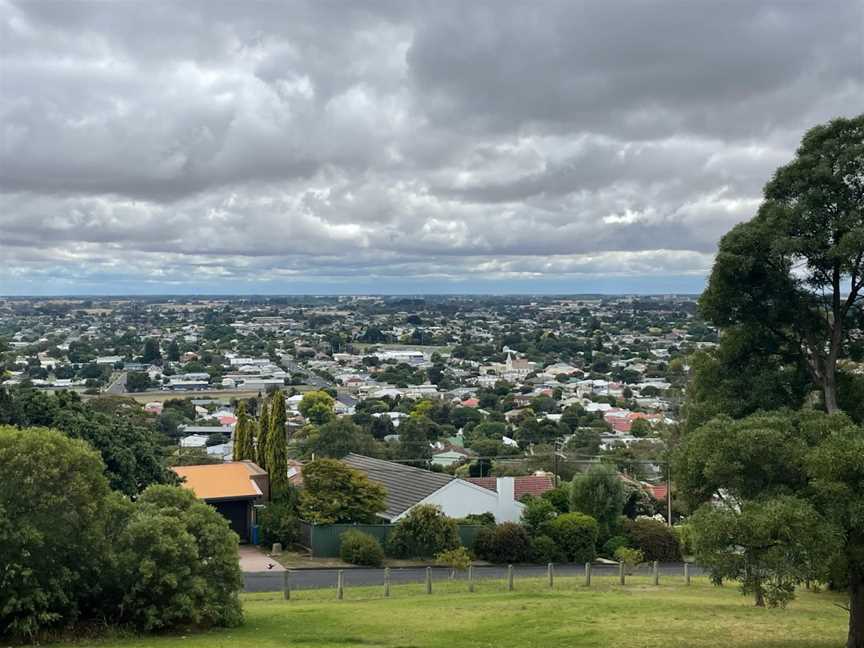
[{"x": 400, "y": 147}]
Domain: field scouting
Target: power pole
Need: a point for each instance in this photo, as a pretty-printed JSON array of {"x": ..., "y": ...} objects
[{"x": 669, "y": 492}]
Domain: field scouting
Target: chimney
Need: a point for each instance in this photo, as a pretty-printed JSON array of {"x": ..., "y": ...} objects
[{"x": 506, "y": 488}]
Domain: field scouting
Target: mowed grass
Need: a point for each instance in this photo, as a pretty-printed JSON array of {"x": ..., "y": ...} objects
[{"x": 638, "y": 615}]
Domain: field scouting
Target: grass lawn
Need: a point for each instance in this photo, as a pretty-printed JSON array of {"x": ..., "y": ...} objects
[{"x": 636, "y": 616}]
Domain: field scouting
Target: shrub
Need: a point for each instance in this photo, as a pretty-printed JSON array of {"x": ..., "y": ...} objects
[
  {"x": 613, "y": 544},
  {"x": 559, "y": 497},
  {"x": 510, "y": 543},
  {"x": 423, "y": 533},
  {"x": 484, "y": 542},
  {"x": 457, "y": 558},
  {"x": 358, "y": 548},
  {"x": 53, "y": 501},
  {"x": 631, "y": 558},
  {"x": 278, "y": 523},
  {"x": 536, "y": 513},
  {"x": 656, "y": 540},
  {"x": 544, "y": 550},
  {"x": 575, "y": 534},
  {"x": 483, "y": 519},
  {"x": 178, "y": 563},
  {"x": 684, "y": 533},
  {"x": 85, "y": 553}
]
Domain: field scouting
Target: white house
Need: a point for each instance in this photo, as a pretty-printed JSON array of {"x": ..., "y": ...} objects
[{"x": 408, "y": 487}]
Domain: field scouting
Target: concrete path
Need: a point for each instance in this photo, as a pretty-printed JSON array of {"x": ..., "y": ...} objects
[{"x": 252, "y": 559}]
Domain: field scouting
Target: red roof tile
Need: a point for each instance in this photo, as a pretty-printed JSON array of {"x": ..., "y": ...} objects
[{"x": 525, "y": 485}]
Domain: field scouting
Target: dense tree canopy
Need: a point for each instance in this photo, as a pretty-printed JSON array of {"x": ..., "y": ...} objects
[
  {"x": 125, "y": 437},
  {"x": 795, "y": 272},
  {"x": 334, "y": 492}
]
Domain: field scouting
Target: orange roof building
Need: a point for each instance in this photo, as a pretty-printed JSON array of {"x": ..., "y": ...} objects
[{"x": 233, "y": 488}]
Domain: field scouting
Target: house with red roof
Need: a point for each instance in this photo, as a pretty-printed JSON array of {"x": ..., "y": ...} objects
[{"x": 524, "y": 485}]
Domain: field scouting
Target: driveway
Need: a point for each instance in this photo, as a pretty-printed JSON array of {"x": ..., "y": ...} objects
[{"x": 254, "y": 560}]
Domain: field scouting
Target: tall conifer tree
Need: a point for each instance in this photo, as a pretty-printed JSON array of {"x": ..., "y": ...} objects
[
  {"x": 277, "y": 448},
  {"x": 263, "y": 435}
]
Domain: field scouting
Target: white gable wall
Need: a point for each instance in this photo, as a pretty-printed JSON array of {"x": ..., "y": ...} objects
[{"x": 460, "y": 498}]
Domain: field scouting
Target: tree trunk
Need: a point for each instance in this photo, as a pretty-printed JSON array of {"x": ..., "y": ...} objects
[
  {"x": 856, "y": 609},
  {"x": 760, "y": 596},
  {"x": 829, "y": 388}
]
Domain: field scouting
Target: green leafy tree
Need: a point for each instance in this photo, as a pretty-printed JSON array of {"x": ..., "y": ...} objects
[
  {"x": 339, "y": 437},
  {"x": 151, "y": 350},
  {"x": 836, "y": 471},
  {"x": 173, "y": 351},
  {"x": 138, "y": 381},
  {"x": 795, "y": 272},
  {"x": 333, "y": 492},
  {"x": 808, "y": 454},
  {"x": 276, "y": 450},
  {"x": 414, "y": 440},
  {"x": 601, "y": 494},
  {"x": 768, "y": 546},
  {"x": 55, "y": 526},
  {"x": 317, "y": 407}
]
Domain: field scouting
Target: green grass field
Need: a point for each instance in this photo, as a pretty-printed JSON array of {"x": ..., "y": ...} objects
[{"x": 570, "y": 616}]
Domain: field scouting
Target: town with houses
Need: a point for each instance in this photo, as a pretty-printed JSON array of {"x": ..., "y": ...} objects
[{"x": 513, "y": 386}]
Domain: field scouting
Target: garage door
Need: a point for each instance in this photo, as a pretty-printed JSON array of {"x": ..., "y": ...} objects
[{"x": 237, "y": 514}]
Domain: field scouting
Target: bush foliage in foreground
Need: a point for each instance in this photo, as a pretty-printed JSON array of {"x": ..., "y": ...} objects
[{"x": 74, "y": 551}]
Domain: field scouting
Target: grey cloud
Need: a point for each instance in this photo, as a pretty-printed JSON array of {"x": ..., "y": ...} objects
[{"x": 206, "y": 142}]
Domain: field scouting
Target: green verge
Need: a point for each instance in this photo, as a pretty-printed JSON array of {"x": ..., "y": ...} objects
[{"x": 638, "y": 615}]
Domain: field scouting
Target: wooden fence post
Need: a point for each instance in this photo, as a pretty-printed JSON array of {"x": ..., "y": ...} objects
[
  {"x": 587, "y": 574},
  {"x": 686, "y": 573},
  {"x": 549, "y": 574},
  {"x": 509, "y": 578},
  {"x": 470, "y": 578},
  {"x": 286, "y": 585},
  {"x": 339, "y": 583},
  {"x": 621, "y": 572},
  {"x": 428, "y": 580},
  {"x": 656, "y": 573},
  {"x": 386, "y": 581}
]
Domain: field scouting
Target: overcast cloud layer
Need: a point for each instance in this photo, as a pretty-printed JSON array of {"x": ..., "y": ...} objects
[{"x": 407, "y": 147}]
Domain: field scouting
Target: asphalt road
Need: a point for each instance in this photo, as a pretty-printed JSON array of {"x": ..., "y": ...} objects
[
  {"x": 118, "y": 385},
  {"x": 323, "y": 578}
]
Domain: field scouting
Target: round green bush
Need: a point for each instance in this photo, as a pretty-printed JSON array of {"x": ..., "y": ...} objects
[
  {"x": 544, "y": 550},
  {"x": 613, "y": 544},
  {"x": 656, "y": 540},
  {"x": 510, "y": 544},
  {"x": 358, "y": 548},
  {"x": 575, "y": 534},
  {"x": 423, "y": 533}
]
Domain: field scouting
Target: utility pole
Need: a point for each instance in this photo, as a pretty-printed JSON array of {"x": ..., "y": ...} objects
[
  {"x": 669, "y": 492},
  {"x": 558, "y": 452}
]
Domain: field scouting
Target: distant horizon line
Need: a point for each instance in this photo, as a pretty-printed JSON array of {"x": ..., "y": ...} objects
[{"x": 347, "y": 294}]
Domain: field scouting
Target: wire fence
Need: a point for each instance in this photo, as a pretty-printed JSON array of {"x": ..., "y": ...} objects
[{"x": 499, "y": 577}]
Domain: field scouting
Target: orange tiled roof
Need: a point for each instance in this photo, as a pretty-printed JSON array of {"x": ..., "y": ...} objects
[
  {"x": 220, "y": 481},
  {"x": 523, "y": 485}
]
